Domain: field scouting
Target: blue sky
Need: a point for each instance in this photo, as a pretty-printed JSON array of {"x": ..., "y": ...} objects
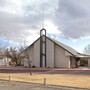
[
  {"x": 68, "y": 21},
  {"x": 78, "y": 44}
]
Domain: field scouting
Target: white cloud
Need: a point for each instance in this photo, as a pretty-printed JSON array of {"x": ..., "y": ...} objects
[
  {"x": 22, "y": 19},
  {"x": 18, "y": 18},
  {"x": 11, "y": 6},
  {"x": 73, "y": 18},
  {"x": 51, "y": 28},
  {"x": 32, "y": 37}
]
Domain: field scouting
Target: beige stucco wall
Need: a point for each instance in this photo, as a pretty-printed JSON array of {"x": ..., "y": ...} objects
[
  {"x": 25, "y": 62},
  {"x": 61, "y": 60},
  {"x": 55, "y": 55},
  {"x": 67, "y": 53},
  {"x": 37, "y": 53},
  {"x": 30, "y": 52},
  {"x": 88, "y": 62},
  {"x": 50, "y": 53},
  {"x": 73, "y": 62}
]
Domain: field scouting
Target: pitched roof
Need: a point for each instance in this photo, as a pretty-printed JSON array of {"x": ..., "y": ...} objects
[
  {"x": 66, "y": 47},
  {"x": 69, "y": 49}
]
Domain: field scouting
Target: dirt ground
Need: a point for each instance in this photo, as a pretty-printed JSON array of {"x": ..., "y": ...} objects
[
  {"x": 78, "y": 78},
  {"x": 69, "y": 80}
]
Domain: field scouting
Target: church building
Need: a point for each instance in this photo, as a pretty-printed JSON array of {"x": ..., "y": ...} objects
[{"x": 46, "y": 52}]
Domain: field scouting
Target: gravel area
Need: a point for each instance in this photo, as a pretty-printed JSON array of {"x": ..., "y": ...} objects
[{"x": 5, "y": 85}]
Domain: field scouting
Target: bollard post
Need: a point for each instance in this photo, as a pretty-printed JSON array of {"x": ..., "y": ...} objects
[
  {"x": 44, "y": 81},
  {"x": 9, "y": 77}
]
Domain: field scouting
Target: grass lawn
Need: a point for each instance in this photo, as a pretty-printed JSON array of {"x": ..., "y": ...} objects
[{"x": 82, "y": 81}]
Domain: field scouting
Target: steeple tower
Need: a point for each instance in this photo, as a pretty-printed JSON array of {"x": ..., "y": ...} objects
[{"x": 43, "y": 48}]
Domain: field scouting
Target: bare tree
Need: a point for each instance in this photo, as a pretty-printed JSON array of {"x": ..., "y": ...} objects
[
  {"x": 13, "y": 53},
  {"x": 2, "y": 49},
  {"x": 24, "y": 54},
  {"x": 18, "y": 54},
  {"x": 87, "y": 50},
  {"x": 27, "y": 56}
]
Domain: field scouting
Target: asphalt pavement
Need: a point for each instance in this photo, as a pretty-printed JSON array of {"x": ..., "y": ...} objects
[
  {"x": 4, "y": 85},
  {"x": 81, "y": 71}
]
